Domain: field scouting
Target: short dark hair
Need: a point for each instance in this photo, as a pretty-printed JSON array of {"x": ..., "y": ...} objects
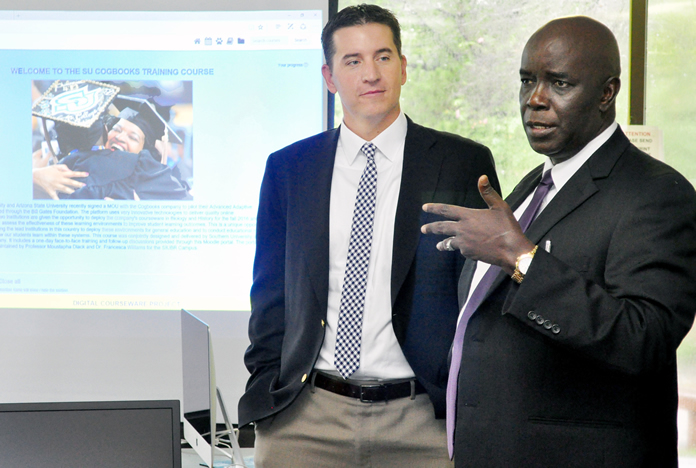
[{"x": 356, "y": 16}]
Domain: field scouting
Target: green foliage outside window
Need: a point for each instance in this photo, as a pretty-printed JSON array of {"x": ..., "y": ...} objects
[
  {"x": 671, "y": 90},
  {"x": 463, "y": 67}
]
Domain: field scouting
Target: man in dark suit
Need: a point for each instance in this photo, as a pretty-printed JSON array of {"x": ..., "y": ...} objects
[
  {"x": 570, "y": 358},
  {"x": 388, "y": 409}
]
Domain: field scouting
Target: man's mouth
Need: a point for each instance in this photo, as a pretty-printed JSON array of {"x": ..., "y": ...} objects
[
  {"x": 373, "y": 92},
  {"x": 539, "y": 128},
  {"x": 538, "y": 125},
  {"x": 117, "y": 146}
]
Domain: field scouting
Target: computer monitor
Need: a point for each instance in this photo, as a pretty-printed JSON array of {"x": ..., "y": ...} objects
[
  {"x": 201, "y": 396},
  {"x": 198, "y": 374},
  {"x": 107, "y": 434}
]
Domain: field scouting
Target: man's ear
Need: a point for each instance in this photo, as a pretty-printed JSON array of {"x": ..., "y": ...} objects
[
  {"x": 403, "y": 70},
  {"x": 609, "y": 92},
  {"x": 328, "y": 78}
]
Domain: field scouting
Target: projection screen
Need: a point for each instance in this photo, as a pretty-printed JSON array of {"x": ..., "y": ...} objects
[{"x": 103, "y": 240}]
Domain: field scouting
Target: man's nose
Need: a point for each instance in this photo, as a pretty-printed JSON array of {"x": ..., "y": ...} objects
[
  {"x": 538, "y": 97},
  {"x": 371, "y": 72}
]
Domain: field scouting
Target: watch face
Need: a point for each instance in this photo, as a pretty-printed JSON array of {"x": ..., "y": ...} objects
[{"x": 524, "y": 263}]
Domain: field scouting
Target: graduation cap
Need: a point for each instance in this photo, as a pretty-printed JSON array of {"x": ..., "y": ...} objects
[
  {"x": 77, "y": 108},
  {"x": 78, "y": 102},
  {"x": 149, "y": 116}
]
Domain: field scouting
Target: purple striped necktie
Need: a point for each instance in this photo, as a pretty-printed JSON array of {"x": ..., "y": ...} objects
[{"x": 475, "y": 300}]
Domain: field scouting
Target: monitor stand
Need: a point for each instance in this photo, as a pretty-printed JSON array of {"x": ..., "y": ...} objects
[
  {"x": 231, "y": 451},
  {"x": 235, "y": 455}
]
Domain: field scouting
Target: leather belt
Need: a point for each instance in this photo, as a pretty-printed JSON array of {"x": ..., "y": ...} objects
[{"x": 368, "y": 392}]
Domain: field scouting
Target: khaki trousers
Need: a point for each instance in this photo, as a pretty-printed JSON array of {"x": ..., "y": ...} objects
[{"x": 323, "y": 429}]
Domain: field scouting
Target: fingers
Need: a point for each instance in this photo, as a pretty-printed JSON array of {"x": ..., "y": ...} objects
[
  {"x": 457, "y": 213},
  {"x": 447, "y": 228},
  {"x": 65, "y": 179},
  {"x": 64, "y": 189},
  {"x": 65, "y": 172},
  {"x": 446, "y": 245},
  {"x": 446, "y": 211},
  {"x": 70, "y": 184},
  {"x": 488, "y": 193},
  {"x": 67, "y": 185}
]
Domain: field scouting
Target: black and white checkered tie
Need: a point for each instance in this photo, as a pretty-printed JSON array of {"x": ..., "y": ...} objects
[{"x": 349, "y": 332}]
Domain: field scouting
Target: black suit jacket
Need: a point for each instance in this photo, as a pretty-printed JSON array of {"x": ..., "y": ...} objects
[
  {"x": 576, "y": 366},
  {"x": 290, "y": 288}
]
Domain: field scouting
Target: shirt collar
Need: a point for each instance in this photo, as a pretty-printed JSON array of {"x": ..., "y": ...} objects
[
  {"x": 389, "y": 143},
  {"x": 563, "y": 171}
]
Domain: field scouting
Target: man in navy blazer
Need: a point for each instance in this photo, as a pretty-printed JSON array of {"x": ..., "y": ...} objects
[
  {"x": 389, "y": 412},
  {"x": 570, "y": 360}
]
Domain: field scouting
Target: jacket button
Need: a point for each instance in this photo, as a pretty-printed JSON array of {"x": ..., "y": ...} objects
[
  {"x": 304, "y": 377},
  {"x": 322, "y": 324},
  {"x": 532, "y": 315},
  {"x": 556, "y": 329},
  {"x": 548, "y": 324},
  {"x": 540, "y": 320}
]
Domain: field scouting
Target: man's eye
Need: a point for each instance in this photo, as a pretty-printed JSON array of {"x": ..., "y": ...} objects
[
  {"x": 384, "y": 58},
  {"x": 526, "y": 81},
  {"x": 353, "y": 62},
  {"x": 561, "y": 84}
]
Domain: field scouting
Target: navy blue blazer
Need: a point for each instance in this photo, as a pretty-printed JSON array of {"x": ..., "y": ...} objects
[
  {"x": 290, "y": 287},
  {"x": 576, "y": 366}
]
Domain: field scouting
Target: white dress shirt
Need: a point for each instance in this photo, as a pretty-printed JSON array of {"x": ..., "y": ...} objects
[
  {"x": 560, "y": 173},
  {"x": 380, "y": 356}
]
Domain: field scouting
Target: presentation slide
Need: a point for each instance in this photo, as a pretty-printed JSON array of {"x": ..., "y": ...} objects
[{"x": 135, "y": 144}]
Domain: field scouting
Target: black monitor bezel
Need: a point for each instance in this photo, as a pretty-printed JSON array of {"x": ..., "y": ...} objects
[{"x": 172, "y": 405}]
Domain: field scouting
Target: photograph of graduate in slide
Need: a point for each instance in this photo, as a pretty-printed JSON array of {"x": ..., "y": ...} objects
[{"x": 112, "y": 140}]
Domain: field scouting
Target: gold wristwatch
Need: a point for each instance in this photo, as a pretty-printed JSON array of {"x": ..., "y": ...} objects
[{"x": 522, "y": 265}]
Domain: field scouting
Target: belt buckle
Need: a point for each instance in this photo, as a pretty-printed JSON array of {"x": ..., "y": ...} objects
[{"x": 372, "y": 387}]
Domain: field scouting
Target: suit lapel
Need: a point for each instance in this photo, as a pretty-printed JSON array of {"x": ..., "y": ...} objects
[
  {"x": 314, "y": 200},
  {"x": 573, "y": 194},
  {"x": 580, "y": 187},
  {"x": 524, "y": 188},
  {"x": 421, "y": 169}
]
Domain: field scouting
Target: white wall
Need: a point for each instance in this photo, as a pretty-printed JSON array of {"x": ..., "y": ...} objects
[{"x": 83, "y": 355}]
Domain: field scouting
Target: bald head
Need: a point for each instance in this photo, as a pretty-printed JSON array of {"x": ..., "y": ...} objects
[
  {"x": 569, "y": 81},
  {"x": 595, "y": 43}
]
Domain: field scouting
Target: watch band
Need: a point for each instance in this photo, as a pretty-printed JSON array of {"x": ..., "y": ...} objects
[{"x": 518, "y": 276}]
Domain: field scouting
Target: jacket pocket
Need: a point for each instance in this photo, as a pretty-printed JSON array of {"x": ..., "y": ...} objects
[{"x": 597, "y": 423}]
